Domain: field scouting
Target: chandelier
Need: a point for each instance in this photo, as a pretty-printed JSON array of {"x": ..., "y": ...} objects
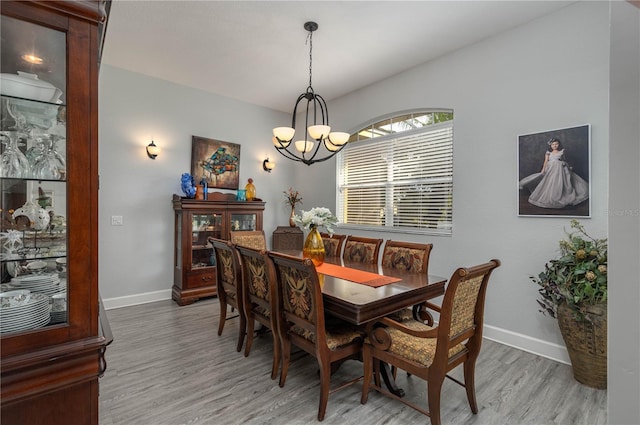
[{"x": 319, "y": 142}]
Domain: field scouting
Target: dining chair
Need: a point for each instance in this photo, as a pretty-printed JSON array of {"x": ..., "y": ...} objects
[
  {"x": 249, "y": 238},
  {"x": 410, "y": 257},
  {"x": 260, "y": 302},
  {"x": 333, "y": 244},
  {"x": 303, "y": 323},
  {"x": 229, "y": 284},
  {"x": 431, "y": 352},
  {"x": 361, "y": 250}
]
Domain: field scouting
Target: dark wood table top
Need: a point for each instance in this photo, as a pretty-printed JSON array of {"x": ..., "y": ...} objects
[{"x": 358, "y": 303}]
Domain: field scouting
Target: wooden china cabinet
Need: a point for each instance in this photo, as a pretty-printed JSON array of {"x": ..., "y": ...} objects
[
  {"x": 194, "y": 274},
  {"x": 51, "y": 358}
]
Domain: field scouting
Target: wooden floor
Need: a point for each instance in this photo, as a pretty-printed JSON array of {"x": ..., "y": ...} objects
[{"x": 167, "y": 366}]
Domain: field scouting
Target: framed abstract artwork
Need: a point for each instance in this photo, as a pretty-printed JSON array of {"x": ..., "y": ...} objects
[
  {"x": 554, "y": 173},
  {"x": 217, "y": 161}
]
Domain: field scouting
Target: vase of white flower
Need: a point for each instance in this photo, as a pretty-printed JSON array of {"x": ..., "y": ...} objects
[
  {"x": 314, "y": 247},
  {"x": 311, "y": 221}
]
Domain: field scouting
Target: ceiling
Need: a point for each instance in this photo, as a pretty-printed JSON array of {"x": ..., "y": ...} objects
[{"x": 256, "y": 51}]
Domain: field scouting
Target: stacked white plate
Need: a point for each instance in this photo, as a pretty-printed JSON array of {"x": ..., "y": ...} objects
[
  {"x": 48, "y": 283},
  {"x": 59, "y": 308},
  {"x": 33, "y": 314}
]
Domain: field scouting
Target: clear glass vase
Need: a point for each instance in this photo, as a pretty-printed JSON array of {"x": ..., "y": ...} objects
[{"x": 314, "y": 247}]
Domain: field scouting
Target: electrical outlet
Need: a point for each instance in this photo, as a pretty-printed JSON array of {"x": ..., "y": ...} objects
[{"x": 116, "y": 220}]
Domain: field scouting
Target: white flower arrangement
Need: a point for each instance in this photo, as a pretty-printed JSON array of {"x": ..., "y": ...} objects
[{"x": 316, "y": 217}]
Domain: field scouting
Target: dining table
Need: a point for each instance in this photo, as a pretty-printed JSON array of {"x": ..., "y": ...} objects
[{"x": 360, "y": 293}]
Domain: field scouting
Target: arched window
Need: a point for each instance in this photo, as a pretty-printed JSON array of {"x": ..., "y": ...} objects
[{"x": 397, "y": 173}]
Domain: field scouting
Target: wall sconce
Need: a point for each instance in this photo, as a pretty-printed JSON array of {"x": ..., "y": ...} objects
[
  {"x": 152, "y": 150},
  {"x": 267, "y": 165}
]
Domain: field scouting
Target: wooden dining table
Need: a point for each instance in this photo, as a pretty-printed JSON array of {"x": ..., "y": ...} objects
[{"x": 359, "y": 303}]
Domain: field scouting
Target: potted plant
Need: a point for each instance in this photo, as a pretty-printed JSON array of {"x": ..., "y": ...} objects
[{"x": 573, "y": 289}]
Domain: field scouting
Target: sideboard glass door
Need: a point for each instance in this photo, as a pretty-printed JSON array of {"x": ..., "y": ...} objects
[{"x": 203, "y": 227}]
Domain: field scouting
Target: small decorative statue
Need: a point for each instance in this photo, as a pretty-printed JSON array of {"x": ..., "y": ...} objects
[{"x": 186, "y": 183}]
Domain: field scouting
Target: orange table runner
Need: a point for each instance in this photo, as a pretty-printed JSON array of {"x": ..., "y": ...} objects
[{"x": 354, "y": 275}]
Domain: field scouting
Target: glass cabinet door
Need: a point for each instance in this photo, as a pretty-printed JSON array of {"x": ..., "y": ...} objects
[
  {"x": 243, "y": 221},
  {"x": 33, "y": 201},
  {"x": 203, "y": 227}
]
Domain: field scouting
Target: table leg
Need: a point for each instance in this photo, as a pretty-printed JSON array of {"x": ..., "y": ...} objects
[{"x": 389, "y": 381}]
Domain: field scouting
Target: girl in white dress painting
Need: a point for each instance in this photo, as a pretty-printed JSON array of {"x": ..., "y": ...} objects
[{"x": 556, "y": 185}]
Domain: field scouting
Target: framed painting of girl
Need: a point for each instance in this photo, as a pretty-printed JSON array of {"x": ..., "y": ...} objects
[{"x": 554, "y": 173}]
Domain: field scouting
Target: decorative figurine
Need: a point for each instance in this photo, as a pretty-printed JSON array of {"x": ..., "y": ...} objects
[{"x": 188, "y": 188}]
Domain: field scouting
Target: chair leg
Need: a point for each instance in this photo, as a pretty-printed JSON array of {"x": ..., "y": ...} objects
[
  {"x": 276, "y": 355},
  {"x": 286, "y": 357},
  {"x": 223, "y": 314},
  {"x": 469, "y": 383},
  {"x": 242, "y": 332},
  {"x": 367, "y": 371},
  {"x": 325, "y": 378},
  {"x": 250, "y": 325},
  {"x": 376, "y": 372},
  {"x": 434, "y": 388}
]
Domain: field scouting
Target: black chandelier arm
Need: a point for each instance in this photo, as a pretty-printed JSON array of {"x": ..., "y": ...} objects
[
  {"x": 324, "y": 109},
  {"x": 295, "y": 109}
]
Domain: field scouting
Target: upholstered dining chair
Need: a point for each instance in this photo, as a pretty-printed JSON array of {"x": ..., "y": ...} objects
[
  {"x": 229, "y": 284},
  {"x": 333, "y": 244},
  {"x": 362, "y": 250},
  {"x": 249, "y": 238},
  {"x": 303, "y": 323},
  {"x": 410, "y": 257},
  {"x": 430, "y": 353},
  {"x": 260, "y": 298}
]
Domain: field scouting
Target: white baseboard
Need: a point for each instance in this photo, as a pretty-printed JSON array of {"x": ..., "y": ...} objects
[
  {"x": 526, "y": 343},
  {"x": 512, "y": 339},
  {"x": 147, "y": 297}
]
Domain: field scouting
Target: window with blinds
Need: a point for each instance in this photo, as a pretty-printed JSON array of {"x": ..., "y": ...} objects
[{"x": 398, "y": 173}]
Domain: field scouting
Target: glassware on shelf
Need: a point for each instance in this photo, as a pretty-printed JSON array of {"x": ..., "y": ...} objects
[
  {"x": 13, "y": 163},
  {"x": 49, "y": 165}
]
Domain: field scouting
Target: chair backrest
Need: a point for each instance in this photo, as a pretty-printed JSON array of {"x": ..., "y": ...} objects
[
  {"x": 407, "y": 256},
  {"x": 462, "y": 314},
  {"x": 228, "y": 270},
  {"x": 333, "y": 244},
  {"x": 259, "y": 282},
  {"x": 362, "y": 250},
  {"x": 249, "y": 238},
  {"x": 299, "y": 300}
]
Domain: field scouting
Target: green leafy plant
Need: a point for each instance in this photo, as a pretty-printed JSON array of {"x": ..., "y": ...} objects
[{"x": 578, "y": 277}]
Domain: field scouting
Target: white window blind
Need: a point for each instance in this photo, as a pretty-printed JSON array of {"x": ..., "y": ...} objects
[{"x": 402, "y": 181}]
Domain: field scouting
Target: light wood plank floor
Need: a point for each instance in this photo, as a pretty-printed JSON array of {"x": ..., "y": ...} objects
[{"x": 168, "y": 366}]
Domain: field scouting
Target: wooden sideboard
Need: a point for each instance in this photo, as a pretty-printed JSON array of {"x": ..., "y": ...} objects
[{"x": 194, "y": 274}]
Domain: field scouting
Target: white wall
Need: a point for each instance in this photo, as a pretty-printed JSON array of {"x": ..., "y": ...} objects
[
  {"x": 624, "y": 216},
  {"x": 137, "y": 258}
]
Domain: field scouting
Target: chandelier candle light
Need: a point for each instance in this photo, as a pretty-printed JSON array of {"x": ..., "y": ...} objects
[{"x": 318, "y": 133}]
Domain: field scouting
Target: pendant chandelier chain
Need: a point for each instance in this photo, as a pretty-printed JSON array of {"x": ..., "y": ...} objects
[{"x": 310, "y": 41}]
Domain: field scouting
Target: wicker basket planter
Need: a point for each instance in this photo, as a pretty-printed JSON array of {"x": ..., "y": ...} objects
[{"x": 586, "y": 342}]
